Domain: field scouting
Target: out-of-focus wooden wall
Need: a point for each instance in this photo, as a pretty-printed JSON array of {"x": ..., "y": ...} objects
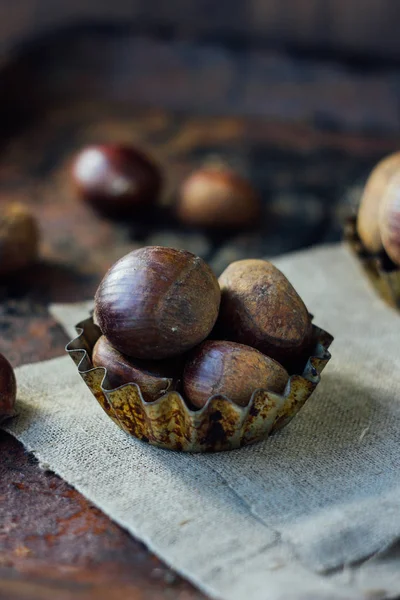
[{"x": 363, "y": 27}]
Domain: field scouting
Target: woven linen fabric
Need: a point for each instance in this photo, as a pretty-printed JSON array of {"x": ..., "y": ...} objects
[{"x": 311, "y": 512}]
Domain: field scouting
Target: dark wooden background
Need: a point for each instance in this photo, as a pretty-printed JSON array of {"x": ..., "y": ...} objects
[
  {"x": 305, "y": 128},
  {"x": 367, "y": 27}
]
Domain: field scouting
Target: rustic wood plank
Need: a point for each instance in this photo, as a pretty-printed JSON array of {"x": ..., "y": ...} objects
[{"x": 55, "y": 544}]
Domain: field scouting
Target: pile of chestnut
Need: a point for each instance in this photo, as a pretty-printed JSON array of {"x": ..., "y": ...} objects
[
  {"x": 378, "y": 220},
  {"x": 168, "y": 323}
]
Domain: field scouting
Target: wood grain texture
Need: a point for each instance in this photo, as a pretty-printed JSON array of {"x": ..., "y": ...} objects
[
  {"x": 305, "y": 149},
  {"x": 55, "y": 544}
]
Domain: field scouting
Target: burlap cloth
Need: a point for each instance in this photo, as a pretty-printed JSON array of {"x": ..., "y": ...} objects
[{"x": 312, "y": 512}]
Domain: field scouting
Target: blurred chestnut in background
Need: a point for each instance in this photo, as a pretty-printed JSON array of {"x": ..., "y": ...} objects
[
  {"x": 8, "y": 389},
  {"x": 157, "y": 302},
  {"x": 116, "y": 179},
  {"x": 368, "y": 226},
  {"x": 261, "y": 308},
  {"x": 389, "y": 218},
  {"x": 216, "y": 197},
  {"x": 19, "y": 238},
  {"x": 155, "y": 378},
  {"x": 230, "y": 369}
]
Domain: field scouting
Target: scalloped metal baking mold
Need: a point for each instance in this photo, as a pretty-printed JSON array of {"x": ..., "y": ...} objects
[{"x": 220, "y": 425}]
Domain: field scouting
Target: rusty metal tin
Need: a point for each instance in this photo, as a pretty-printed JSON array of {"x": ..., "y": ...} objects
[
  {"x": 382, "y": 273},
  {"x": 219, "y": 425}
]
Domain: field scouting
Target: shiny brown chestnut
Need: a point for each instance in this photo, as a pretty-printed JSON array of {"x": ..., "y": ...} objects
[
  {"x": 232, "y": 370},
  {"x": 19, "y": 238},
  {"x": 116, "y": 179},
  {"x": 368, "y": 225},
  {"x": 216, "y": 197},
  {"x": 157, "y": 302},
  {"x": 389, "y": 219},
  {"x": 260, "y": 308},
  {"x": 154, "y": 378},
  {"x": 8, "y": 389}
]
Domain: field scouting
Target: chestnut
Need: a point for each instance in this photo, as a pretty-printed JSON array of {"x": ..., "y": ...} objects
[
  {"x": 155, "y": 378},
  {"x": 368, "y": 227},
  {"x": 260, "y": 308},
  {"x": 19, "y": 238},
  {"x": 218, "y": 198},
  {"x": 8, "y": 389},
  {"x": 116, "y": 179},
  {"x": 232, "y": 370},
  {"x": 389, "y": 219},
  {"x": 157, "y": 302}
]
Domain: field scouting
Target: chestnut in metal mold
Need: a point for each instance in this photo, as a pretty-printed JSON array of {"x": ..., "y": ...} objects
[
  {"x": 218, "y": 197},
  {"x": 115, "y": 178},
  {"x": 154, "y": 378},
  {"x": 231, "y": 369},
  {"x": 8, "y": 389},
  {"x": 260, "y": 308},
  {"x": 368, "y": 226},
  {"x": 389, "y": 219},
  {"x": 19, "y": 238},
  {"x": 157, "y": 302}
]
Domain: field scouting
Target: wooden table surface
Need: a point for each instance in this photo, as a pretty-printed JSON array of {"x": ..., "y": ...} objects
[{"x": 306, "y": 134}]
